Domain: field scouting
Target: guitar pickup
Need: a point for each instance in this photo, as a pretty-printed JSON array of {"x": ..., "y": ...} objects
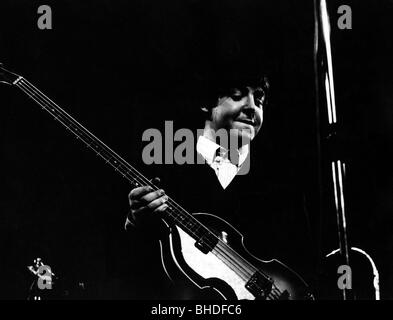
[
  {"x": 206, "y": 243},
  {"x": 259, "y": 285}
]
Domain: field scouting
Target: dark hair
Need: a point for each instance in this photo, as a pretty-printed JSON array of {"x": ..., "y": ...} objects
[
  {"x": 210, "y": 95},
  {"x": 225, "y": 88}
]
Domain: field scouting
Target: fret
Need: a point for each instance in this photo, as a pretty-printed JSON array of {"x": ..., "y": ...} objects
[
  {"x": 190, "y": 224},
  {"x": 197, "y": 228},
  {"x": 79, "y": 132},
  {"x": 70, "y": 124},
  {"x": 120, "y": 168}
]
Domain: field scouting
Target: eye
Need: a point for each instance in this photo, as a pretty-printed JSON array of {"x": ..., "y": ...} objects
[
  {"x": 259, "y": 97},
  {"x": 236, "y": 94}
]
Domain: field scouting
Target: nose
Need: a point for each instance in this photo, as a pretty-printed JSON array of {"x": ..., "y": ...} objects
[
  {"x": 249, "y": 107},
  {"x": 251, "y": 99},
  {"x": 249, "y": 112}
]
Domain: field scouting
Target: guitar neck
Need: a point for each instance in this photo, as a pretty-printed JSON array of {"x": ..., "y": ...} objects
[
  {"x": 175, "y": 212},
  {"x": 81, "y": 133}
]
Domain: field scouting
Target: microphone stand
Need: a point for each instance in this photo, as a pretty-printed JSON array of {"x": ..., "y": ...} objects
[{"x": 324, "y": 77}]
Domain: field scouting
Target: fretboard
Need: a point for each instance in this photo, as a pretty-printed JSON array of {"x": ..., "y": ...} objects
[{"x": 175, "y": 212}]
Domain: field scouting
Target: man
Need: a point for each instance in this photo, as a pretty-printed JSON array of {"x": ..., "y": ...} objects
[
  {"x": 239, "y": 112},
  {"x": 220, "y": 188}
]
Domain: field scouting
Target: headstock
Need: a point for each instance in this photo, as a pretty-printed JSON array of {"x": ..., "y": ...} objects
[{"x": 6, "y": 76}]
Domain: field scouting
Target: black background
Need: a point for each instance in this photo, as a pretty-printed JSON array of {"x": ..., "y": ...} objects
[{"x": 122, "y": 67}]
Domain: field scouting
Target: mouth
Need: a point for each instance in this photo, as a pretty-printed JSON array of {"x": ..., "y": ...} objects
[{"x": 247, "y": 121}]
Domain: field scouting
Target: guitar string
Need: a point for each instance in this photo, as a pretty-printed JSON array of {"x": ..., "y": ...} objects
[{"x": 225, "y": 253}]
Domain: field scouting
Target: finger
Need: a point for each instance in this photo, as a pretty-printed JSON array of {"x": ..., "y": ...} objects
[
  {"x": 131, "y": 216},
  {"x": 161, "y": 208},
  {"x": 144, "y": 212},
  {"x": 137, "y": 202},
  {"x": 139, "y": 192},
  {"x": 157, "y": 203},
  {"x": 139, "y": 213},
  {"x": 151, "y": 196}
]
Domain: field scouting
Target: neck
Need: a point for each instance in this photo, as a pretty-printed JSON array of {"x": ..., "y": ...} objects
[{"x": 209, "y": 132}]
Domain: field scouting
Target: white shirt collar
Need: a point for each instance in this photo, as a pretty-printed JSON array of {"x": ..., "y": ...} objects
[{"x": 208, "y": 149}]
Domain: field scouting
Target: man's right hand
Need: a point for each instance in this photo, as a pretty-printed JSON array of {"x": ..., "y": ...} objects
[{"x": 145, "y": 204}]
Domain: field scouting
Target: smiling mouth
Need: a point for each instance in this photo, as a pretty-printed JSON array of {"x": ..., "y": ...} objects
[{"x": 246, "y": 121}]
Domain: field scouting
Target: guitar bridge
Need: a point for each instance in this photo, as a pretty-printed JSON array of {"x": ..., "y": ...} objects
[{"x": 260, "y": 286}]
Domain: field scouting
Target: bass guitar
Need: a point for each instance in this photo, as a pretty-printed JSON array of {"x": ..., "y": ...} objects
[{"x": 195, "y": 245}]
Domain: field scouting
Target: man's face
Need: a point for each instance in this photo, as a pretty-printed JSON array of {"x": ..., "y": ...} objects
[{"x": 240, "y": 109}]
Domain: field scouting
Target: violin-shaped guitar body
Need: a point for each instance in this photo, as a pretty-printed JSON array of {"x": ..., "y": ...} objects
[{"x": 234, "y": 274}]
